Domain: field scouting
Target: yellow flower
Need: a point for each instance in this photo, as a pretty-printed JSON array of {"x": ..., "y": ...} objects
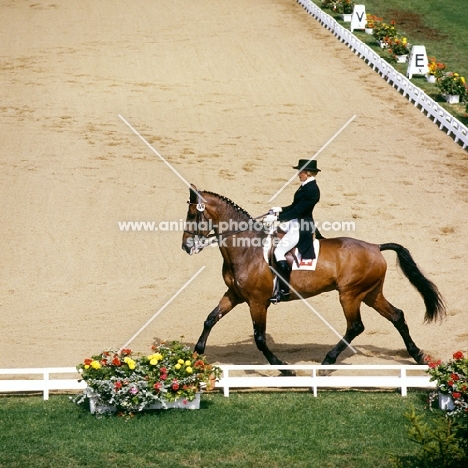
[
  {"x": 180, "y": 361},
  {"x": 188, "y": 363},
  {"x": 154, "y": 358},
  {"x": 130, "y": 363},
  {"x": 189, "y": 370},
  {"x": 95, "y": 365},
  {"x": 86, "y": 366},
  {"x": 462, "y": 79},
  {"x": 178, "y": 366}
]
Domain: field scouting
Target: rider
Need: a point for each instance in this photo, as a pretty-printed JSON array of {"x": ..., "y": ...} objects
[{"x": 298, "y": 224}]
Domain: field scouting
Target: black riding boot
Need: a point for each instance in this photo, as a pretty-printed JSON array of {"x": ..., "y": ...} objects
[{"x": 284, "y": 274}]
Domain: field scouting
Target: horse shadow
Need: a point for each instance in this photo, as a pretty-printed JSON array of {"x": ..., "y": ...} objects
[{"x": 246, "y": 352}]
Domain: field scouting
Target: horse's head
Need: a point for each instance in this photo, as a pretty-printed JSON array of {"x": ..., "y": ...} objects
[{"x": 197, "y": 226}]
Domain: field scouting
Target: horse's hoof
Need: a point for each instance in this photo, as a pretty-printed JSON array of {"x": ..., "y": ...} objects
[{"x": 421, "y": 359}]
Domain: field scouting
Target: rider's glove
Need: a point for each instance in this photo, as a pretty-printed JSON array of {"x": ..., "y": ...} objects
[
  {"x": 270, "y": 218},
  {"x": 276, "y": 209}
]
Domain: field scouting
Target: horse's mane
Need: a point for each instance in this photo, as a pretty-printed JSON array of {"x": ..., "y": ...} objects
[{"x": 229, "y": 202}]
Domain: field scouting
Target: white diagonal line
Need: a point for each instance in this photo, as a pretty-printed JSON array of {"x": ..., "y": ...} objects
[
  {"x": 157, "y": 154},
  {"x": 162, "y": 308},
  {"x": 315, "y": 312},
  {"x": 313, "y": 157}
]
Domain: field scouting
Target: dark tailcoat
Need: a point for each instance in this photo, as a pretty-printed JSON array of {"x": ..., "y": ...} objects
[{"x": 305, "y": 198}]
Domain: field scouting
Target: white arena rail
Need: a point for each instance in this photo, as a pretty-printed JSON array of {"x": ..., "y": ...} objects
[
  {"x": 427, "y": 105},
  {"x": 371, "y": 378},
  {"x": 43, "y": 384},
  {"x": 362, "y": 376}
]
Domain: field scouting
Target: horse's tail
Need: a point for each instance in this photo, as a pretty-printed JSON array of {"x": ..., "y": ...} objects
[{"x": 435, "y": 305}]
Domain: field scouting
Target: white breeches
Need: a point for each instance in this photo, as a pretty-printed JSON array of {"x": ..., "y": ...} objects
[{"x": 290, "y": 239}]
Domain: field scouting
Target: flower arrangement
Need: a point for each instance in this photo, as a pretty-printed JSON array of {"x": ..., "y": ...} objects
[
  {"x": 451, "y": 378},
  {"x": 345, "y": 7},
  {"x": 384, "y": 31},
  {"x": 132, "y": 383},
  {"x": 453, "y": 84},
  {"x": 435, "y": 68},
  {"x": 372, "y": 21},
  {"x": 397, "y": 46}
]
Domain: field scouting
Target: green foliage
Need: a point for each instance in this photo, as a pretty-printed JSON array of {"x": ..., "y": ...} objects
[{"x": 442, "y": 439}]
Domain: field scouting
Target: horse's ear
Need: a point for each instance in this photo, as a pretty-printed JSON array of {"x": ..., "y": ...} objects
[{"x": 193, "y": 193}]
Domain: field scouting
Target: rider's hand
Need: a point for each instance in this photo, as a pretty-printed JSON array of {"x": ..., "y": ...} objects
[
  {"x": 276, "y": 209},
  {"x": 270, "y": 218}
]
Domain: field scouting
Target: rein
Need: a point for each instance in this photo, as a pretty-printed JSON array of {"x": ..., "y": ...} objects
[{"x": 203, "y": 240}]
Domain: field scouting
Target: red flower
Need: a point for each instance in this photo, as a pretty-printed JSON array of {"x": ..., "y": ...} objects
[
  {"x": 157, "y": 386},
  {"x": 163, "y": 376},
  {"x": 125, "y": 352},
  {"x": 450, "y": 383},
  {"x": 175, "y": 385},
  {"x": 458, "y": 355},
  {"x": 118, "y": 385},
  {"x": 88, "y": 361},
  {"x": 456, "y": 395},
  {"x": 454, "y": 377},
  {"x": 163, "y": 370},
  {"x": 116, "y": 361},
  {"x": 199, "y": 363}
]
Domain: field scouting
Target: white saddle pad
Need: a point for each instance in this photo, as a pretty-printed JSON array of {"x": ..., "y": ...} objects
[{"x": 303, "y": 264}]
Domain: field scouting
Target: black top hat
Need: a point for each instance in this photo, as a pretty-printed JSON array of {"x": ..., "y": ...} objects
[{"x": 307, "y": 165}]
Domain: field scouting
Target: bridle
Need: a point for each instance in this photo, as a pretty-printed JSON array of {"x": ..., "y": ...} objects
[{"x": 200, "y": 241}]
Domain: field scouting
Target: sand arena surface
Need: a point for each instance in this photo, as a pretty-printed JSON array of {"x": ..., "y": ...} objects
[{"x": 232, "y": 94}]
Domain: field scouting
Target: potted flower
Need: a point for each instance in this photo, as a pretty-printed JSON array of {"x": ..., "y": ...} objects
[
  {"x": 371, "y": 22},
  {"x": 451, "y": 382},
  {"x": 398, "y": 48},
  {"x": 452, "y": 87},
  {"x": 123, "y": 382},
  {"x": 328, "y": 4},
  {"x": 384, "y": 31},
  {"x": 434, "y": 70},
  {"x": 345, "y": 8}
]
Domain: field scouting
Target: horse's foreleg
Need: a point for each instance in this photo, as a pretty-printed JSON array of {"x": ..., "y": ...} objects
[
  {"x": 226, "y": 304},
  {"x": 259, "y": 314}
]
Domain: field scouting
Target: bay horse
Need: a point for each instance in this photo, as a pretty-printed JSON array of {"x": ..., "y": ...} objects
[{"x": 356, "y": 269}]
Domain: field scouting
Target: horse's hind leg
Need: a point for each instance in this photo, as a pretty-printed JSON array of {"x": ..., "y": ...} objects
[
  {"x": 354, "y": 327},
  {"x": 397, "y": 317},
  {"x": 226, "y": 304}
]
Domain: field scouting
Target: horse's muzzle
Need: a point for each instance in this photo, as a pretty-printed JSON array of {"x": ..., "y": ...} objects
[{"x": 188, "y": 249}]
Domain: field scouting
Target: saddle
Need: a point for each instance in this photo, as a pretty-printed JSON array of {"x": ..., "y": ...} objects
[{"x": 293, "y": 256}]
